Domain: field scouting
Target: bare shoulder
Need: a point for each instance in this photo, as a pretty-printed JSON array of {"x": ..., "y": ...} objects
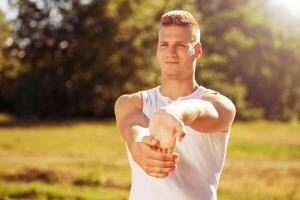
[
  {"x": 128, "y": 112},
  {"x": 221, "y": 102},
  {"x": 129, "y": 101}
]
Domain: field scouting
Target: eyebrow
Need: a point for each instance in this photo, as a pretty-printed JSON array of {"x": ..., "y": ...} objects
[
  {"x": 185, "y": 43},
  {"x": 177, "y": 42}
]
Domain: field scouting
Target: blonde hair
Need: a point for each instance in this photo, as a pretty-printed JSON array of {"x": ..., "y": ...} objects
[{"x": 182, "y": 18}]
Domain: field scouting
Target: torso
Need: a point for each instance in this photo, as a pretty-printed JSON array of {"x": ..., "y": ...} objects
[{"x": 198, "y": 171}]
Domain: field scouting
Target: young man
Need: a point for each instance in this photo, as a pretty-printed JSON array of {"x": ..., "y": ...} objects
[{"x": 152, "y": 121}]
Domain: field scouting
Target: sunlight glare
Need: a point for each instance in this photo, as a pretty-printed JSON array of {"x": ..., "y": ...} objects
[{"x": 290, "y": 6}]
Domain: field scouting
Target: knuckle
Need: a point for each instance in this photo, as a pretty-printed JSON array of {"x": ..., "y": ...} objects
[
  {"x": 159, "y": 176},
  {"x": 163, "y": 175},
  {"x": 145, "y": 167},
  {"x": 147, "y": 164},
  {"x": 154, "y": 175},
  {"x": 162, "y": 157},
  {"x": 147, "y": 154},
  {"x": 163, "y": 170},
  {"x": 159, "y": 170},
  {"x": 167, "y": 164}
]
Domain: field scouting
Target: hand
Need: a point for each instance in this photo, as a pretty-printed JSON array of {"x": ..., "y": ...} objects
[
  {"x": 153, "y": 161},
  {"x": 167, "y": 128}
]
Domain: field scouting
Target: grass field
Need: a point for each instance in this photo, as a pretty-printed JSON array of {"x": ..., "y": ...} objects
[{"x": 87, "y": 160}]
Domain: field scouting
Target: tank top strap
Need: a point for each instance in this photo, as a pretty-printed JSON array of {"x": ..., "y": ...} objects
[
  {"x": 149, "y": 98},
  {"x": 202, "y": 91}
]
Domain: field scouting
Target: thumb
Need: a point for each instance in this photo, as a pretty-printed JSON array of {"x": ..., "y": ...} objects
[
  {"x": 150, "y": 140},
  {"x": 180, "y": 136},
  {"x": 180, "y": 132}
]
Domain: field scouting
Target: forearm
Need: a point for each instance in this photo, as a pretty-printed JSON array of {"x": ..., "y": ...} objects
[
  {"x": 194, "y": 109},
  {"x": 215, "y": 113},
  {"x": 133, "y": 134},
  {"x": 129, "y": 118}
]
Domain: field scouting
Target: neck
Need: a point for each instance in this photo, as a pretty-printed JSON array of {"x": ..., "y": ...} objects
[{"x": 174, "y": 89}]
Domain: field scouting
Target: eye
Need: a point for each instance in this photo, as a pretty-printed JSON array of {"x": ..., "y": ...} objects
[
  {"x": 181, "y": 46},
  {"x": 163, "y": 45}
]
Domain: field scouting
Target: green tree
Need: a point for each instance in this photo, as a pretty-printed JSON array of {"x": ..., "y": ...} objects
[
  {"x": 247, "y": 55},
  {"x": 74, "y": 58},
  {"x": 77, "y": 58},
  {"x": 9, "y": 67}
]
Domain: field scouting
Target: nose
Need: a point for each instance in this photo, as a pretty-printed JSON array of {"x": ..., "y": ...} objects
[{"x": 172, "y": 51}]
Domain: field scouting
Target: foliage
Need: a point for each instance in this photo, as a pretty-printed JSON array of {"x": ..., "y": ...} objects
[
  {"x": 245, "y": 57},
  {"x": 74, "y": 58},
  {"x": 8, "y": 67}
]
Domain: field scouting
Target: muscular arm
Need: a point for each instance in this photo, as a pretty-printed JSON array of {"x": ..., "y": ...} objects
[
  {"x": 132, "y": 125},
  {"x": 129, "y": 117},
  {"x": 214, "y": 113}
]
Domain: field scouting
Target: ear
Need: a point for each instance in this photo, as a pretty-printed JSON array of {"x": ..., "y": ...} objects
[{"x": 198, "y": 50}]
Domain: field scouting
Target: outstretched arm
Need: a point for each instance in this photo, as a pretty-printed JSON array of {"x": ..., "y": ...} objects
[
  {"x": 132, "y": 125},
  {"x": 214, "y": 113},
  {"x": 128, "y": 111}
]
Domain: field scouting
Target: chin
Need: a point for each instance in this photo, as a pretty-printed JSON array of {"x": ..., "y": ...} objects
[{"x": 172, "y": 77}]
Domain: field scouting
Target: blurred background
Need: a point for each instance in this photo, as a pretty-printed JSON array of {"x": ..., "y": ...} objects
[{"x": 63, "y": 63}]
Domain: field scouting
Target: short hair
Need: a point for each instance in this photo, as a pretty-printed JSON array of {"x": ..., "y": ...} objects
[{"x": 182, "y": 18}]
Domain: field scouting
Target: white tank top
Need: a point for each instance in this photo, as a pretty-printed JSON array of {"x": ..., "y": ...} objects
[{"x": 201, "y": 161}]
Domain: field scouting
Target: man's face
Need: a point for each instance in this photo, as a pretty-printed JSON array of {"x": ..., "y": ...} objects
[{"x": 176, "y": 53}]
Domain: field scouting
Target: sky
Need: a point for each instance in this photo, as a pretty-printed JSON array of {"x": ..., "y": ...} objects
[{"x": 291, "y": 6}]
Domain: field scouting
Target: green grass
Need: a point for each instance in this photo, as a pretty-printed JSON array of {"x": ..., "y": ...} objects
[{"x": 87, "y": 160}]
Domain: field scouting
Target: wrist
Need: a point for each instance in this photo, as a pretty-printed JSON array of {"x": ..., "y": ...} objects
[
  {"x": 130, "y": 144},
  {"x": 178, "y": 111},
  {"x": 136, "y": 134},
  {"x": 175, "y": 110}
]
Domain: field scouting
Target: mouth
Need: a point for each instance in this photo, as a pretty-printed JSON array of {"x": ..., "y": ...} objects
[{"x": 171, "y": 62}]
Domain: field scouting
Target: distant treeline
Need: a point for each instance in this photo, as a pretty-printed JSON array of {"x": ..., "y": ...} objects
[{"x": 72, "y": 58}]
